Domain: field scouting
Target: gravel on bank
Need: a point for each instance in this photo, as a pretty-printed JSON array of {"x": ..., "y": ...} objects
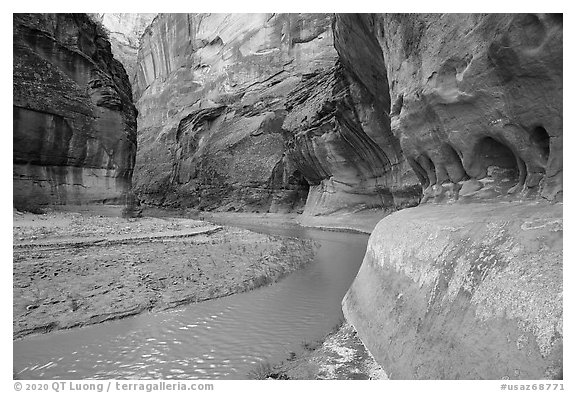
[{"x": 341, "y": 355}]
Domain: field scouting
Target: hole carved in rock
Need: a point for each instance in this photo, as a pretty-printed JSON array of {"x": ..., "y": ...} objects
[{"x": 541, "y": 139}]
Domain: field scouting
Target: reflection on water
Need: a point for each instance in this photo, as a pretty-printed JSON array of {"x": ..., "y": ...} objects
[{"x": 220, "y": 338}]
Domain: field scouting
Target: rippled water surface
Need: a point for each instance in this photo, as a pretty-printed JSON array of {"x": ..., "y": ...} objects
[{"x": 220, "y": 338}]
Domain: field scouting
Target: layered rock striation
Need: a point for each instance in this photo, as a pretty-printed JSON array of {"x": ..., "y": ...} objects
[
  {"x": 466, "y": 291},
  {"x": 74, "y": 120},
  {"x": 124, "y": 31},
  {"x": 363, "y": 114},
  {"x": 211, "y": 90},
  {"x": 476, "y": 100},
  {"x": 341, "y": 142},
  {"x": 335, "y": 114},
  {"x": 256, "y": 113}
]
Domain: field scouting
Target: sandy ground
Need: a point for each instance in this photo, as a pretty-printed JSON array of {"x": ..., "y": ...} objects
[
  {"x": 362, "y": 222},
  {"x": 83, "y": 265},
  {"x": 77, "y": 268}
]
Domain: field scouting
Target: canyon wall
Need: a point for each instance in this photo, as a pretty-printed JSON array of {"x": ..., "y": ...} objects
[
  {"x": 329, "y": 114},
  {"x": 461, "y": 114},
  {"x": 469, "y": 284},
  {"x": 124, "y": 31},
  {"x": 476, "y": 100},
  {"x": 256, "y": 113},
  {"x": 378, "y": 111},
  {"x": 74, "y": 131}
]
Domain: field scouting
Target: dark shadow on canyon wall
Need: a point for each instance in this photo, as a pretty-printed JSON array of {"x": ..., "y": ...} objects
[{"x": 74, "y": 121}]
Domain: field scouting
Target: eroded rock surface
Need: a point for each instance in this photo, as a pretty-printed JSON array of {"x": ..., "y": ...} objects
[
  {"x": 476, "y": 104},
  {"x": 74, "y": 121},
  {"x": 331, "y": 115},
  {"x": 250, "y": 112},
  {"x": 361, "y": 114},
  {"x": 343, "y": 145},
  {"x": 211, "y": 91},
  {"x": 463, "y": 292},
  {"x": 125, "y": 31},
  {"x": 473, "y": 97}
]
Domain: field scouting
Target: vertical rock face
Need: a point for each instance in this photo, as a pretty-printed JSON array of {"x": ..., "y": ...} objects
[
  {"x": 363, "y": 114},
  {"x": 343, "y": 145},
  {"x": 125, "y": 31},
  {"x": 465, "y": 291},
  {"x": 249, "y": 112},
  {"x": 74, "y": 121},
  {"x": 291, "y": 112},
  {"x": 211, "y": 91},
  {"x": 476, "y": 99}
]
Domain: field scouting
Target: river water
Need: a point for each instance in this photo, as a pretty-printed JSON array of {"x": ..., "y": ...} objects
[{"x": 223, "y": 338}]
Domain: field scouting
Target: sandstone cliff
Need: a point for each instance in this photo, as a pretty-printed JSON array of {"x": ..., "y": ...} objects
[
  {"x": 476, "y": 100},
  {"x": 364, "y": 114},
  {"x": 250, "y": 112},
  {"x": 330, "y": 114},
  {"x": 74, "y": 121},
  {"x": 466, "y": 290},
  {"x": 125, "y": 31}
]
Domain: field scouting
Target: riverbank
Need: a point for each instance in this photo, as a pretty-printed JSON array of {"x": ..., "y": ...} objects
[
  {"x": 359, "y": 222},
  {"x": 362, "y": 221},
  {"x": 341, "y": 355},
  {"x": 480, "y": 283},
  {"x": 77, "y": 268}
]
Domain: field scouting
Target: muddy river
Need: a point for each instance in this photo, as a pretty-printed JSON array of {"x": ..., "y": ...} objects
[{"x": 223, "y": 338}]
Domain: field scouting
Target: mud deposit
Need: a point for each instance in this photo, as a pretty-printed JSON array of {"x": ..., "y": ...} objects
[
  {"x": 228, "y": 337},
  {"x": 73, "y": 269}
]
